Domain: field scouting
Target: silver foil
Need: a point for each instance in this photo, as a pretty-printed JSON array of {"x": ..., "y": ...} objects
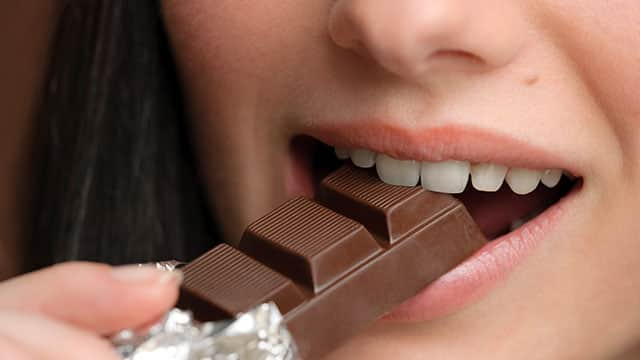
[
  {"x": 258, "y": 334},
  {"x": 170, "y": 265}
]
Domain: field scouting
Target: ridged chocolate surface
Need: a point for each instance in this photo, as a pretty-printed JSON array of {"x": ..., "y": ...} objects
[
  {"x": 365, "y": 186},
  {"x": 390, "y": 212},
  {"x": 312, "y": 228},
  {"x": 338, "y": 277},
  {"x": 220, "y": 273},
  {"x": 308, "y": 243}
]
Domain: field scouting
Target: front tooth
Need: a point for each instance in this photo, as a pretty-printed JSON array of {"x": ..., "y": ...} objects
[
  {"x": 523, "y": 181},
  {"x": 397, "y": 172},
  {"x": 551, "y": 177},
  {"x": 487, "y": 177},
  {"x": 342, "y": 153},
  {"x": 363, "y": 158},
  {"x": 445, "y": 176}
]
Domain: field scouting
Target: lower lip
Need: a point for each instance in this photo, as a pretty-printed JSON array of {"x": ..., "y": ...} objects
[{"x": 472, "y": 279}]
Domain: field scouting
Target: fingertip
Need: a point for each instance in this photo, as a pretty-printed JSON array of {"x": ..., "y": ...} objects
[
  {"x": 95, "y": 296},
  {"x": 174, "y": 277},
  {"x": 148, "y": 283},
  {"x": 144, "y": 301}
]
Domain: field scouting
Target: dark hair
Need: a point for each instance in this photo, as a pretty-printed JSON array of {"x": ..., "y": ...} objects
[{"x": 115, "y": 176}]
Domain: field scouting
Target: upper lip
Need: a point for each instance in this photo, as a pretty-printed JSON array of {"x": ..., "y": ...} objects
[{"x": 449, "y": 142}]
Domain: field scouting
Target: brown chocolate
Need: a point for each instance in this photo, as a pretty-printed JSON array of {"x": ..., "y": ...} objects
[
  {"x": 224, "y": 282},
  {"x": 334, "y": 268},
  {"x": 309, "y": 243},
  {"x": 389, "y": 212}
]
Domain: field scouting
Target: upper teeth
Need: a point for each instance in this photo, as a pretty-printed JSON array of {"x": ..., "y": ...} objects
[
  {"x": 451, "y": 176},
  {"x": 445, "y": 176},
  {"x": 363, "y": 158},
  {"x": 488, "y": 177},
  {"x": 551, "y": 177},
  {"x": 398, "y": 172}
]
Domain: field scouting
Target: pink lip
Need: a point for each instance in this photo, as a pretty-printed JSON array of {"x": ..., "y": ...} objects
[
  {"x": 458, "y": 142},
  {"x": 473, "y": 278}
]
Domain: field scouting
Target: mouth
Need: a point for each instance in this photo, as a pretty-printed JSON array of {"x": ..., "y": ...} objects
[
  {"x": 515, "y": 207},
  {"x": 499, "y": 198}
]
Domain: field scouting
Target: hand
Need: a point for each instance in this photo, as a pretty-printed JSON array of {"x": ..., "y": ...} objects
[{"x": 64, "y": 311}]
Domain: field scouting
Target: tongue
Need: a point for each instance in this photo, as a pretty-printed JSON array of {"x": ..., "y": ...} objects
[{"x": 494, "y": 212}]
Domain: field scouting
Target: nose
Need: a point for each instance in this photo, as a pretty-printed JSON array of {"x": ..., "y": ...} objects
[{"x": 412, "y": 38}]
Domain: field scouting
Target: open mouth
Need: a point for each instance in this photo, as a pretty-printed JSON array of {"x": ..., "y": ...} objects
[{"x": 499, "y": 198}]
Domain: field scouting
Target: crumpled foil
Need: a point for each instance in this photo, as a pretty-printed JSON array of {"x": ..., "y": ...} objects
[
  {"x": 166, "y": 265},
  {"x": 258, "y": 334}
]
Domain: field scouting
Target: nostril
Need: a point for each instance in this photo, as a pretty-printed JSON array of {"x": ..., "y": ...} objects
[
  {"x": 358, "y": 47},
  {"x": 456, "y": 54}
]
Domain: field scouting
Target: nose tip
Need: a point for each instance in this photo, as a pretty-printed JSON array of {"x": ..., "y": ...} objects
[{"x": 412, "y": 37}]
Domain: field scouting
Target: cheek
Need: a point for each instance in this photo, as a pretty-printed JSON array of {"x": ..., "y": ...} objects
[
  {"x": 212, "y": 44},
  {"x": 602, "y": 38},
  {"x": 222, "y": 51},
  {"x": 236, "y": 60},
  {"x": 240, "y": 45}
]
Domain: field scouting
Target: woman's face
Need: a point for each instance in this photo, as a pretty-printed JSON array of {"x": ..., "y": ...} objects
[{"x": 537, "y": 85}]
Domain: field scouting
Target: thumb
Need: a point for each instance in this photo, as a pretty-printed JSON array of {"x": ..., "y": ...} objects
[{"x": 95, "y": 297}]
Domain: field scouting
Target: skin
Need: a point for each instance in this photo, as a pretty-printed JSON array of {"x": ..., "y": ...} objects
[
  {"x": 558, "y": 75},
  {"x": 46, "y": 313}
]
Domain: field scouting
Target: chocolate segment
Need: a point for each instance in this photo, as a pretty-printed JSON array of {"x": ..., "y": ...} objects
[
  {"x": 326, "y": 272},
  {"x": 390, "y": 212},
  {"x": 224, "y": 282},
  {"x": 309, "y": 243}
]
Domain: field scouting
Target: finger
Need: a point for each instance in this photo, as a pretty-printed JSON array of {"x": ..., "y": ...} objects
[
  {"x": 96, "y": 297},
  {"x": 10, "y": 349},
  {"x": 51, "y": 340}
]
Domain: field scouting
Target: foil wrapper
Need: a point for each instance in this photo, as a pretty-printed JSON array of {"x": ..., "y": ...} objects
[
  {"x": 258, "y": 334},
  {"x": 170, "y": 265}
]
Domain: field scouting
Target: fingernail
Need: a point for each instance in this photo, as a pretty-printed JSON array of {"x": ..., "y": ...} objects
[
  {"x": 174, "y": 275},
  {"x": 142, "y": 274}
]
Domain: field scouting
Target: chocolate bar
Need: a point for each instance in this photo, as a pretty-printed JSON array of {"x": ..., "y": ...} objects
[{"x": 334, "y": 265}]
